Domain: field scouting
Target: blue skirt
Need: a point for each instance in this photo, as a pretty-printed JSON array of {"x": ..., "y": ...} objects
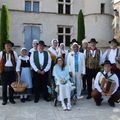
[{"x": 26, "y": 76}]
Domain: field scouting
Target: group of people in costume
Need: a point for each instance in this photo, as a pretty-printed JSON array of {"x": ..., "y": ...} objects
[{"x": 81, "y": 64}]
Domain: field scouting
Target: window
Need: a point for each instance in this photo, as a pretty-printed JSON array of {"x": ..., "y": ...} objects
[
  {"x": 102, "y": 8},
  {"x": 64, "y": 6},
  {"x": 27, "y": 6},
  {"x": 64, "y": 34},
  {"x": 31, "y": 6},
  {"x": 67, "y": 10},
  {"x": 68, "y": 1},
  {"x": 60, "y": 8},
  {"x": 36, "y": 6},
  {"x": 60, "y": 0}
]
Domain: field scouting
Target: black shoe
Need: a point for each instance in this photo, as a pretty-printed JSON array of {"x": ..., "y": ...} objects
[
  {"x": 4, "y": 103},
  {"x": 88, "y": 97},
  {"x": 28, "y": 98},
  {"x": 98, "y": 104},
  {"x": 47, "y": 99},
  {"x": 36, "y": 100},
  {"x": 22, "y": 100},
  {"x": 12, "y": 102},
  {"x": 111, "y": 103}
]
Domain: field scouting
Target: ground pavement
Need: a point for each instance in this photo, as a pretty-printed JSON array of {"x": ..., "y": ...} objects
[{"x": 83, "y": 110}]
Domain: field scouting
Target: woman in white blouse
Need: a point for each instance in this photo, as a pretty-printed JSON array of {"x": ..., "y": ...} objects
[
  {"x": 24, "y": 73},
  {"x": 61, "y": 74}
]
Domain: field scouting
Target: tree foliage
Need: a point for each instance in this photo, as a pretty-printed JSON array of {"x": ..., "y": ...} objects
[
  {"x": 4, "y": 26},
  {"x": 81, "y": 27}
]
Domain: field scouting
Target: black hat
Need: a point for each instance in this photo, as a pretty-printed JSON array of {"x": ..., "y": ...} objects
[
  {"x": 8, "y": 42},
  {"x": 107, "y": 62},
  {"x": 73, "y": 40},
  {"x": 114, "y": 40},
  {"x": 93, "y": 40},
  {"x": 42, "y": 43}
]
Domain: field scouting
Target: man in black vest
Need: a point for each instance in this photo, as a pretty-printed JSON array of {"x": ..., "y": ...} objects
[
  {"x": 8, "y": 59},
  {"x": 41, "y": 62}
]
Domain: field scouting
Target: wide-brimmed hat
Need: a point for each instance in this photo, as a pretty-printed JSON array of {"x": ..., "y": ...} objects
[
  {"x": 73, "y": 40},
  {"x": 42, "y": 43},
  {"x": 114, "y": 40},
  {"x": 93, "y": 40},
  {"x": 107, "y": 62},
  {"x": 8, "y": 42},
  {"x": 75, "y": 44}
]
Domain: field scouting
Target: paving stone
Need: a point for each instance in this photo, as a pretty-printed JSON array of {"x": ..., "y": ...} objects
[
  {"x": 18, "y": 118},
  {"x": 83, "y": 110}
]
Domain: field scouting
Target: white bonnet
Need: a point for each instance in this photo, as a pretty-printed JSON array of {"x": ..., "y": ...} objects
[
  {"x": 53, "y": 41},
  {"x": 23, "y": 49},
  {"x": 35, "y": 41}
]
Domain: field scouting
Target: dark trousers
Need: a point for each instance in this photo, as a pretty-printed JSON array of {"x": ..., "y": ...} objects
[
  {"x": 97, "y": 96},
  {"x": 40, "y": 85},
  {"x": 32, "y": 72},
  {"x": 117, "y": 72},
  {"x": 90, "y": 74},
  {"x": 7, "y": 78},
  {"x": 84, "y": 79}
]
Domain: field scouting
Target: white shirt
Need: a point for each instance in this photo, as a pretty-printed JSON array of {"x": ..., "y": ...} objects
[
  {"x": 111, "y": 56},
  {"x": 8, "y": 61},
  {"x": 93, "y": 53},
  {"x": 100, "y": 76},
  {"x": 54, "y": 51},
  {"x": 32, "y": 50},
  {"x": 41, "y": 61}
]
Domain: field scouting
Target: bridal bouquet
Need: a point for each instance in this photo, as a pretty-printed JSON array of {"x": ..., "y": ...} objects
[{"x": 64, "y": 80}]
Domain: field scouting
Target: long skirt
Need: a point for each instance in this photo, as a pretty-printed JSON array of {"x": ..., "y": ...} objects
[{"x": 26, "y": 77}]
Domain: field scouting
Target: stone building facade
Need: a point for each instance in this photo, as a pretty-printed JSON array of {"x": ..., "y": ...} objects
[{"x": 48, "y": 19}]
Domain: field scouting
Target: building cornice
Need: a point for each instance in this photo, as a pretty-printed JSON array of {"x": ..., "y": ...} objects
[
  {"x": 106, "y": 14},
  {"x": 22, "y": 11},
  {"x": 54, "y": 13}
]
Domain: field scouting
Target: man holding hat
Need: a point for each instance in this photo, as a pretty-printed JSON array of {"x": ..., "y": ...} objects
[
  {"x": 8, "y": 59},
  {"x": 41, "y": 62},
  {"x": 93, "y": 59},
  {"x": 76, "y": 64},
  {"x": 100, "y": 91},
  {"x": 113, "y": 55}
]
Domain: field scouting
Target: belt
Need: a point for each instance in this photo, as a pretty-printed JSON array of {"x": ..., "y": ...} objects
[{"x": 8, "y": 69}]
